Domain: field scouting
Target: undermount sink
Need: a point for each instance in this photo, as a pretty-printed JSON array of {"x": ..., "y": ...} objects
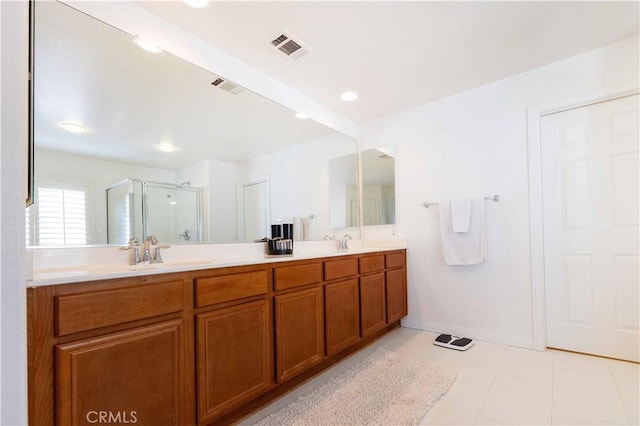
[
  {"x": 115, "y": 268},
  {"x": 146, "y": 266},
  {"x": 170, "y": 265}
]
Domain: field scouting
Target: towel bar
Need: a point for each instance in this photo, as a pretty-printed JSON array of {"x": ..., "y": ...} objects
[{"x": 495, "y": 198}]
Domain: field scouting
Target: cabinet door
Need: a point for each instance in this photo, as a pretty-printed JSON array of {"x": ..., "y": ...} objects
[
  {"x": 134, "y": 376},
  {"x": 299, "y": 331},
  {"x": 372, "y": 304},
  {"x": 234, "y": 357},
  {"x": 396, "y": 295},
  {"x": 342, "y": 315}
]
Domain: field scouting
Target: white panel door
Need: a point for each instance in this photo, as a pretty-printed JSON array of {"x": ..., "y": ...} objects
[
  {"x": 256, "y": 209},
  {"x": 591, "y": 236}
]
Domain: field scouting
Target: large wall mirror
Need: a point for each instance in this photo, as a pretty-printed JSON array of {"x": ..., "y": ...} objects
[{"x": 130, "y": 142}]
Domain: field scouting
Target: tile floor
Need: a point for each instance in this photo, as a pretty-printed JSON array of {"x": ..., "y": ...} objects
[{"x": 503, "y": 385}]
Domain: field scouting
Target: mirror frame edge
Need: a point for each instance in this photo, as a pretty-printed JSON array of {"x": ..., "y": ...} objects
[{"x": 30, "y": 197}]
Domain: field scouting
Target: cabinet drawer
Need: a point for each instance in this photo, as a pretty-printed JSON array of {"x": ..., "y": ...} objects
[
  {"x": 335, "y": 269},
  {"x": 224, "y": 288},
  {"x": 395, "y": 260},
  {"x": 371, "y": 263},
  {"x": 88, "y": 311},
  {"x": 295, "y": 276}
]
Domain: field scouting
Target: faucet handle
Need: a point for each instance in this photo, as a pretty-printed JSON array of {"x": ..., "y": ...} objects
[
  {"x": 157, "y": 255},
  {"x": 136, "y": 256}
]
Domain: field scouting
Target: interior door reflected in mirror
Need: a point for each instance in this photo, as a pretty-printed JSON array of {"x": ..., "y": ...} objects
[
  {"x": 344, "y": 191},
  {"x": 378, "y": 186},
  {"x": 106, "y": 111}
]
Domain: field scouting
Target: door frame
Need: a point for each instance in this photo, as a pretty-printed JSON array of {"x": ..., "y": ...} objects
[{"x": 536, "y": 206}]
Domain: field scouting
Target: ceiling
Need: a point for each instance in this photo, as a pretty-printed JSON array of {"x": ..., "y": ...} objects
[
  {"x": 132, "y": 100},
  {"x": 396, "y": 54}
]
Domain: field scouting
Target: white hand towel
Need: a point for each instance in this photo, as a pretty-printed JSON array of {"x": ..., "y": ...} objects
[
  {"x": 464, "y": 248},
  {"x": 460, "y": 215}
]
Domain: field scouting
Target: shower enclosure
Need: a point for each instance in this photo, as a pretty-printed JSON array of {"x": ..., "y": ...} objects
[{"x": 171, "y": 213}]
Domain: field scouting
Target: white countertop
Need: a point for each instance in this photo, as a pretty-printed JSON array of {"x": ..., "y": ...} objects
[{"x": 45, "y": 274}]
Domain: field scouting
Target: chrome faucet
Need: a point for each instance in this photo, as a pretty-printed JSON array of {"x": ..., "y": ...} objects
[
  {"x": 343, "y": 243},
  {"x": 157, "y": 255},
  {"x": 132, "y": 244},
  {"x": 146, "y": 258},
  {"x": 150, "y": 240}
]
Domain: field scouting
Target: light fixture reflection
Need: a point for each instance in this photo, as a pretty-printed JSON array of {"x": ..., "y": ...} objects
[
  {"x": 73, "y": 127},
  {"x": 349, "y": 96},
  {"x": 166, "y": 147},
  {"x": 146, "y": 45},
  {"x": 198, "y": 4},
  {"x": 301, "y": 116}
]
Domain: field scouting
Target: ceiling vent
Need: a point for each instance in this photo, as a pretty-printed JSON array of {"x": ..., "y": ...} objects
[
  {"x": 227, "y": 86},
  {"x": 286, "y": 44}
]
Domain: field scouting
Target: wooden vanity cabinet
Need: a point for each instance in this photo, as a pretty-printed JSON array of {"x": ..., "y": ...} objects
[
  {"x": 234, "y": 357},
  {"x": 396, "y": 285},
  {"x": 342, "y": 315},
  {"x": 115, "y": 349},
  {"x": 342, "y": 304},
  {"x": 234, "y": 340},
  {"x": 202, "y": 347},
  {"x": 373, "y": 308},
  {"x": 299, "y": 318},
  {"x": 133, "y": 375}
]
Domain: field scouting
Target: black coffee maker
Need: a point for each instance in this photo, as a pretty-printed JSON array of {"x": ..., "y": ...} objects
[{"x": 281, "y": 241}]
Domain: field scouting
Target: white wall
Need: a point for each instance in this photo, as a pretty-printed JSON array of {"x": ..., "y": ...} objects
[
  {"x": 299, "y": 179},
  {"x": 475, "y": 144},
  {"x": 223, "y": 178},
  {"x": 13, "y": 137},
  {"x": 54, "y": 167}
]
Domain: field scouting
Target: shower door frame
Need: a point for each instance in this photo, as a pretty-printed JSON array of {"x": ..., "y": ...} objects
[{"x": 145, "y": 207}]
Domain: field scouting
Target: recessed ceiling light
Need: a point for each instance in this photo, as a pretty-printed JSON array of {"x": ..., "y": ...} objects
[
  {"x": 166, "y": 147},
  {"x": 146, "y": 45},
  {"x": 73, "y": 127},
  {"x": 198, "y": 4},
  {"x": 349, "y": 96},
  {"x": 301, "y": 116}
]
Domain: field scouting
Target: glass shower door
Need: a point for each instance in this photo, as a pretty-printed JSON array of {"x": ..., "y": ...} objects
[
  {"x": 124, "y": 208},
  {"x": 172, "y": 213}
]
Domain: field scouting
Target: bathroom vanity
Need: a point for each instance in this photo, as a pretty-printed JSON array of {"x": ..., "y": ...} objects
[{"x": 207, "y": 345}]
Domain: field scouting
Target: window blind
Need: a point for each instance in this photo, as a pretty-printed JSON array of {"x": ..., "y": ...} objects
[{"x": 62, "y": 217}]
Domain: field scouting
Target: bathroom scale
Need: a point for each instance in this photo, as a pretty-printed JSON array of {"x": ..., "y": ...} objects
[{"x": 453, "y": 342}]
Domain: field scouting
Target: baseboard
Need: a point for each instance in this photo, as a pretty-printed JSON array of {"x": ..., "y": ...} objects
[{"x": 472, "y": 333}]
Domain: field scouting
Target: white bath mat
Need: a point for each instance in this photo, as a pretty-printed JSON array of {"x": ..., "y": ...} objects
[{"x": 383, "y": 389}]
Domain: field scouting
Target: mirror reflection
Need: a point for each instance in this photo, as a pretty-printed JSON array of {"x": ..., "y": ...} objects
[
  {"x": 108, "y": 112},
  {"x": 378, "y": 186},
  {"x": 171, "y": 213},
  {"x": 344, "y": 190}
]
